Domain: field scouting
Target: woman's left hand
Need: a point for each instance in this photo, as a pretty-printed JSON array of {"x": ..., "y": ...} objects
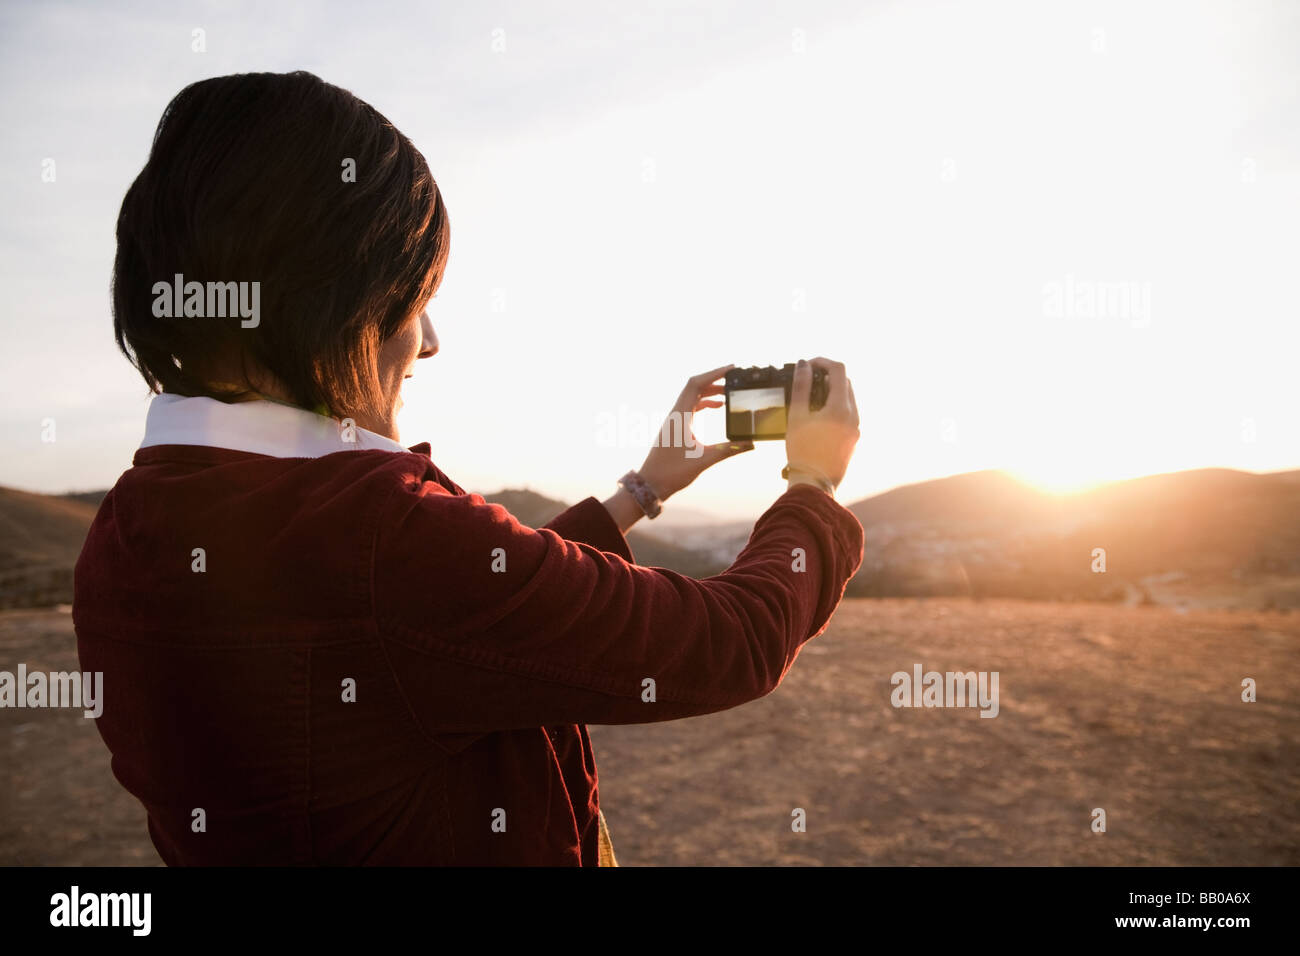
[{"x": 677, "y": 458}]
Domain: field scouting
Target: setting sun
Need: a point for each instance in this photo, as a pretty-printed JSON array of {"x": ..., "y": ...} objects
[{"x": 1063, "y": 482}]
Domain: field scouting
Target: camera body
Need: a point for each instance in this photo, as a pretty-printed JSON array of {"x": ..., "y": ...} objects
[{"x": 758, "y": 400}]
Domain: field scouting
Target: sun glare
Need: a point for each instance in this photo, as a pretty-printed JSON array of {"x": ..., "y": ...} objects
[{"x": 1055, "y": 482}]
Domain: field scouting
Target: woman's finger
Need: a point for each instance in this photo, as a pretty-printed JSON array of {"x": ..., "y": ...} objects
[
  {"x": 836, "y": 377},
  {"x": 704, "y": 378},
  {"x": 699, "y": 385}
]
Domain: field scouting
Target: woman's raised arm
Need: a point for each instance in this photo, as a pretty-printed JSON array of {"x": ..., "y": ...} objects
[{"x": 490, "y": 625}]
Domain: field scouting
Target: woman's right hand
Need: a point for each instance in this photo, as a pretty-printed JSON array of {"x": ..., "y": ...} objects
[{"x": 822, "y": 440}]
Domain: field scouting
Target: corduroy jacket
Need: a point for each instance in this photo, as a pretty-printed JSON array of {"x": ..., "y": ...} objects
[{"x": 347, "y": 659}]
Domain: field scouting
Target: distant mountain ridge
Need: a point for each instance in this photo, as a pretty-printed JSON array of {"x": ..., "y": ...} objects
[{"x": 1206, "y": 537}]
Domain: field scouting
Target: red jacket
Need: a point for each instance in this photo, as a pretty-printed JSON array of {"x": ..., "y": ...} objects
[{"x": 374, "y": 667}]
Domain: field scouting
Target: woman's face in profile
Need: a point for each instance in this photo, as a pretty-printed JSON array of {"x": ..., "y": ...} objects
[{"x": 397, "y": 358}]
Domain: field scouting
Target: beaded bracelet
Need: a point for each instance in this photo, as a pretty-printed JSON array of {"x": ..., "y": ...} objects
[{"x": 645, "y": 496}]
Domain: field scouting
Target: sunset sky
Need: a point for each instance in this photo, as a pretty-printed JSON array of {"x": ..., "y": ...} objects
[{"x": 1056, "y": 238}]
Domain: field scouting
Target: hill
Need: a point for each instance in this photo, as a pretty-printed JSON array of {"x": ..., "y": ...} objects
[
  {"x": 40, "y": 538},
  {"x": 1212, "y": 536}
]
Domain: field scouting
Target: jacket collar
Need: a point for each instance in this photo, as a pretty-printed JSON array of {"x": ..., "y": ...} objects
[{"x": 260, "y": 427}]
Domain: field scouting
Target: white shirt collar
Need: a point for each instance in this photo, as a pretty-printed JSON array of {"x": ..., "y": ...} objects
[{"x": 261, "y": 427}]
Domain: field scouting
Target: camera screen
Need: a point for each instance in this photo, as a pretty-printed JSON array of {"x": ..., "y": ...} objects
[{"x": 757, "y": 411}]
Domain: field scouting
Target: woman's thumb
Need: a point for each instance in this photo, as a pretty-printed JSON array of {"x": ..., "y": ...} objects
[{"x": 726, "y": 449}]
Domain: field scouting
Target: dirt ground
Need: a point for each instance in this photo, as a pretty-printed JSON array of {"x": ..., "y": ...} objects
[{"x": 1133, "y": 710}]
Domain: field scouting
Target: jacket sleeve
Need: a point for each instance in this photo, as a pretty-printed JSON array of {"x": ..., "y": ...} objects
[
  {"x": 589, "y": 522},
  {"x": 490, "y": 625}
]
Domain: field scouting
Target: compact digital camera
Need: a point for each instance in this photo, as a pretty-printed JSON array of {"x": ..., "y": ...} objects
[{"x": 758, "y": 400}]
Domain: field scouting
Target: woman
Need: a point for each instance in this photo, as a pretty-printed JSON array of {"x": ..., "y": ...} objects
[{"x": 316, "y": 647}]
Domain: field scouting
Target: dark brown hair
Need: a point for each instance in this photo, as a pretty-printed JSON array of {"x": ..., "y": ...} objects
[{"x": 245, "y": 182}]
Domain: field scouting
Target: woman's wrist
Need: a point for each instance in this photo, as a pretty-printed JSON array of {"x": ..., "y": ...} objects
[
  {"x": 623, "y": 508},
  {"x": 806, "y": 475},
  {"x": 659, "y": 483},
  {"x": 808, "y": 480},
  {"x": 646, "y": 493},
  {"x": 639, "y": 495}
]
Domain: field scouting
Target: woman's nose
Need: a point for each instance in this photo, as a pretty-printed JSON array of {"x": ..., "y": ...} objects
[{"x": 428, "y": 339}]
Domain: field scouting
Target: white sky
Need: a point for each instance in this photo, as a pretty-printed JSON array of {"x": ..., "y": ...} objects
[{"x": 642, "y": 191}]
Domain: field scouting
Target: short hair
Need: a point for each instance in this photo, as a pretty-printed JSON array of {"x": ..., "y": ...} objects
[{"x": 247, "y": 180}]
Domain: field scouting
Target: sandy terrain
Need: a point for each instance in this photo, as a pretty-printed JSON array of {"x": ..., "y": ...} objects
[{"x": 1136, "y": 710}]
